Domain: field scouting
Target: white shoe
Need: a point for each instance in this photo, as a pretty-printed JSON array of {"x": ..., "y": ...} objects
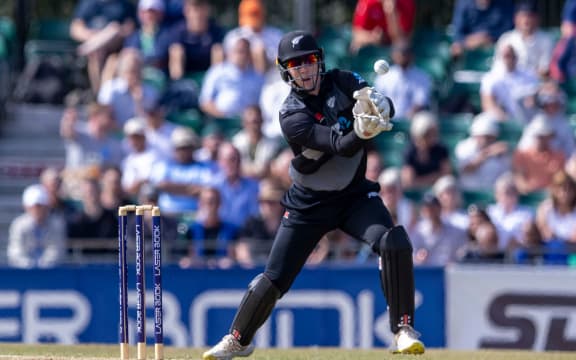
[
  {"x": 407, "y": 341},
  {"x": 227, "y": 349}
]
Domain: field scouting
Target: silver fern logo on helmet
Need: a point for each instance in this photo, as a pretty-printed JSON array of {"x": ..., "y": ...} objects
[{"x": 296, "y": 40}]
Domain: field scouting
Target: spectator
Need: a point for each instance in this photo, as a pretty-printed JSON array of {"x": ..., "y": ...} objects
[
  {"x": 568, "y": 26},
  {"x": 158, "y": 131},
  {"x": 257, "y": 233},
  {"x": 280, "y": 167},
  {"x": 36, "y": 238},
  {"x": 447, "y": 190},
  {"x": 535, "y": 166},
  {"x": 212, "y": 138},
  {"x": 507, "y": 214},
  {"x": 551, "y": 102},
  {"x": 263, "y": 38},
  {"x": 139, "y": 164},
  {"x": 274, "y": 91},
  {"x": 239, "y": 194},
  {"x": 233, "y": 85},
  {"x": 563, "y": 63},
  {"x": 90, "y": 144},
  {"x": 101, "y": 26},
  {"x": 58, "y": 202},
  {"x": 374, "y": 165},
  {"x": 532, "y": 46},
  {"x": 180, "y": 180},
  {"x": 435, "y": 242},
  {"x": 531, "y": 248},
  {"x": 556, "y": 215},
  {"x": 407, "y": 85},
  {"x": 211, "y": 237},
  {"x": 195, "y": 44},
  {"x": 426, "y": 158},
  {"x": 382, "y": 22},
  {"x": 256, "y": 149},
  {"x": 112, "y": 194},
  {"x": 483, "y": 245},
  {"x": 505, "y": 88},
  {"x": 402, "y": 210},
  {"x": 481, "y": 158},
  {"x": 147, "y": 39},
  {"x": 93, "y": 221},
  {"x": 127, "y": 95},
  {"x": 479, "y": 23}
]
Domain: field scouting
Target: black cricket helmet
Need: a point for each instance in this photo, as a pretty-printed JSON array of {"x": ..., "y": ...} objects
[{"x": 297, "y": 44}]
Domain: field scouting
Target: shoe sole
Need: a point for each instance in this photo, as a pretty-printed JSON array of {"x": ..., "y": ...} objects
[{"x": 415, "y": 349}]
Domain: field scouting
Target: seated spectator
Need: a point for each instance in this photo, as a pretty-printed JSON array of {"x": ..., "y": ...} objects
[
  {"x": 402, "y": 210},
  {"x": 481, "y": 158},
  {"x": 58, "y": 201},
  {"x": 535, "y": 166},
  {"x": 531, "y": 248},
  {"x": 406, "y": 84},
  {"x": 112, "y": 194},
  {"x": 479, "y": 23},
  {"x": 532, "y": 46},
  {"x": 374, "y": 165},
  {"x": 36, "y": 238},
  {"x": 257, "y": 234},
  {"x": 212, "y": 138},
  {"x": 263, "y": 38},
  {"x": 158, "y": 131},
  {"x": 90, "y": 144},
  {"x": 211, "y": 237},
  {"x": 556, "y": 215},
  {"x": 256, "y": 149},
  {"x": 101, "y": 27},
  {"x": 239, "y": 194},
  {"x": 382, "y": 22},
  {"x": 280, "y": 168},
  {"x": 447, "y": 190},
  {"x": 93, "y": 221},
  {"x": 435, "y": 242},
  {"x": 180, "y": 179},
  {"x": 147, "y": 39},
  {"x": 426, "y": 158},
  {"x": 274, "y": 91},
  {"x": 568, "y": 25},
  {"x": 127, "y": 95},
  {"x": 195, "y": 44},
  {"x": 484, "y": 237},
  {"x": 139, "y": 164},
  {"x": 551, "y": 103},
  {"x": 507, "y": 214},
  {"x": 233, "y": 85},
  {"x": 505, "y": 88},
  {"x": 563, "y": 62}
]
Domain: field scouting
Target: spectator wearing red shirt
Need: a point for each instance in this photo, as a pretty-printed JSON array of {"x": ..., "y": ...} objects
[{"x": 381, "y": 22}]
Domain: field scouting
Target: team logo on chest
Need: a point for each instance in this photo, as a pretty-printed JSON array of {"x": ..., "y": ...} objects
[{"x": 331, "y": 101}]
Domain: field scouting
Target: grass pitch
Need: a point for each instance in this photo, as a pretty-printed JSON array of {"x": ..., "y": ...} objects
[{"x": 101, "y": 352}]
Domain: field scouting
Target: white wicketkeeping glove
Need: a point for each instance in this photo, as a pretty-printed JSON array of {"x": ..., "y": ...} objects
[{"x": 371, "y": 113}]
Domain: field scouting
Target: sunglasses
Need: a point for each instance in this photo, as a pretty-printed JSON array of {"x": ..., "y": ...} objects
[{"x": 302, "y": 60}]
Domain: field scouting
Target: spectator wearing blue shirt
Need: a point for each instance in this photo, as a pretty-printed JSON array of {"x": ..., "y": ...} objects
[
  {"x": 233, "y": 85},
  {"x": 180, "y": 180},
  {"x": 239, "y": 193},
  {"x": 195, "y": 44},
  {"x": 101, "y": 26},
  {"x": 147, "y": 38},
  {"x": 568, "y": 26},
  {"x": 479, "y": 23}
]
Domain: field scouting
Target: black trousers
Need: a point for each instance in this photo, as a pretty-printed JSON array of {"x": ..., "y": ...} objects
[{"x": 364, "y": 218}]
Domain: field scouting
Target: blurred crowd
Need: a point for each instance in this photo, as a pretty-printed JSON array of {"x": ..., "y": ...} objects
[{"x": 183, "y": 114}]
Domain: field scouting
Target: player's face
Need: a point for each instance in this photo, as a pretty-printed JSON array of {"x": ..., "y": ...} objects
[{"x": 304, "y": 71}]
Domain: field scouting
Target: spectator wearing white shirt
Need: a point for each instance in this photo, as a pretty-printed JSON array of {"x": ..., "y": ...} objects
[
  {"x": 402, "y": 210},
  {"x": 551, "y": 102},
  {"x": 449, "y": 195},
  {"x": 507, "y": 214},
  {"x": 159, "y": 131},
  {"x": 231, "y": 86},
  {"x": 36, "y": 238},
  {"x": 408, "y": 86},
  {"x": 263, "y": 39},
  {"x": 505, "y": 88},
  {"x": 256, "y": 149},
  {"x": 481, "y": 158},
  {"x": 533, "y": 46},
  {"x": 139, "y": 164}
]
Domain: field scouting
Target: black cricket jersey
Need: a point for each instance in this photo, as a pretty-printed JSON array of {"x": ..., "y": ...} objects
[{"x": 329, "y": 162}]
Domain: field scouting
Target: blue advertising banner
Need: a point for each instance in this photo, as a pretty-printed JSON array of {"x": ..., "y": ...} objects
[{"x": 327, "y": 306}]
